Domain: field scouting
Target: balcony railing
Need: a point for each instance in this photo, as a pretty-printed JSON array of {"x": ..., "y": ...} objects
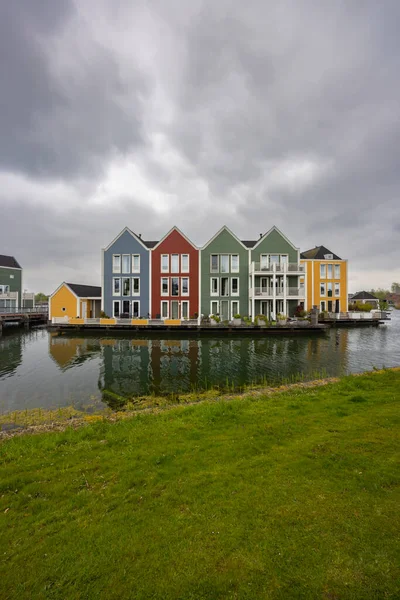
[
  {"x": 291, "y": 292},
  {"x": 8, "y": 295},
  {"x": 257, "y": 267}
]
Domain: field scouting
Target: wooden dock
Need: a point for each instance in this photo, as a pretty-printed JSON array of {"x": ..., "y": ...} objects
[{"x": 23, "y": 318}]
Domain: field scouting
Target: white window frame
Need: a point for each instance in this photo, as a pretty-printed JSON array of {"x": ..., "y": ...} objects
[
  {"x": 162, "y": 268},
  {"x": 188, "y": 312},
  {"x": 227, "y": 288},
  {"x": 118, "y": 269},
  {"x": 337, "y": 271},
  {"x": 323, "y": 305},
  {"x": 235, "y": 312},
  {"x": 187, "y": 270},
  {"x": 122, "y": 305},
  {"x": 119, "y": 308},
  {"x": 171, "y": 288},
  {"x": 181, "y": 284},
  {"x": 232, "y": 292},
  {"x": 133, "y": 302},
  {"x": 122, "y": 287},
  {"x": 337, "y": 289},
  {"x": 211, "y": 267},
  {"x": 167, "y": 280},
  {"x": 211, "y": 289},
  {"x": 172, "y": 265},
  {"x": 238, "y": 264},
  {"x": 329, "y": 285},
  {"x": 128, "y": 270},
  {"x": 211, "y": 307},
  {"x": 133, "y": 262},
  {"x": 322, "y": 271},
  {"x": 329, "y": 270},
  {"x": 114, "y": 293},
  {"x": 164, "y": 302},
  {"x": 220, "y": 263},
  {"x": 133, "y": 293},
  {"x": 322, "y": 293}
]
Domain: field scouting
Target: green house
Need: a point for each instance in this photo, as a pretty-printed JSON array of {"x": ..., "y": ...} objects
[
  {"x": 10, "y": 282},
  {"x": 224, "y": 279}
]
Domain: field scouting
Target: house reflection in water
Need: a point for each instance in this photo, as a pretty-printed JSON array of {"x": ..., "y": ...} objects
[
  {"x": 11, "y": 348},
  {"x": 69, "y": 351}
]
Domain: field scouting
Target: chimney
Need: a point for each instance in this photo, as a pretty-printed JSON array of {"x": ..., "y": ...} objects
[
  {"x": 261, "y": 235},
  {"x": 140, "y": 235}
]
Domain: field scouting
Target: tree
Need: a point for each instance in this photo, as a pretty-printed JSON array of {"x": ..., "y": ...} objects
[
  {"x": 40, "y": 297},
  {"x": 395, "y": 287}
]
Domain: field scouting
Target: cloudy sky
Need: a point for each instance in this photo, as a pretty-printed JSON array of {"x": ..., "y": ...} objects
[{"x": 198, "y": 113}]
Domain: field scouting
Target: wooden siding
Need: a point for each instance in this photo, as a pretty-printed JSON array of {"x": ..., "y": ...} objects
[{"x": 63, "y": 298}]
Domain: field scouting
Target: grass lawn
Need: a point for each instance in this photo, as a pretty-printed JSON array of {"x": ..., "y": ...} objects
[{"x": 291, "y": 496}]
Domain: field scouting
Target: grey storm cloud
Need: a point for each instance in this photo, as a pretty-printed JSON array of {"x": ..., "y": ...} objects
[{"x": 198, "y": 114}]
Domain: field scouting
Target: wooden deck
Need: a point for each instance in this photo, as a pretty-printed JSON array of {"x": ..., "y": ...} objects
[{"x": 23, "y": 317}]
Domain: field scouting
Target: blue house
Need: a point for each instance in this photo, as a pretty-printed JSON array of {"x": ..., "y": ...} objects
[{"x": 126, "y": 276}]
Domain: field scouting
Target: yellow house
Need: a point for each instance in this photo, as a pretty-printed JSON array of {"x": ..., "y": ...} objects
[
  {"x": 326, "y": 277},
  {"x": 75, "y": 301}
]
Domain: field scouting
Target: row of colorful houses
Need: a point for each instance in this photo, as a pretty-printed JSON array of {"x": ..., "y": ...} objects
[{"x": 174, "y": 279}]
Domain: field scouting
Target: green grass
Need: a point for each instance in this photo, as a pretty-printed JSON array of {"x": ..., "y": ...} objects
[{"x": 290, "y": 496}]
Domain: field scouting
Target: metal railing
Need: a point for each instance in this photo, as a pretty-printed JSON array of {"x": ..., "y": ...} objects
[
  {"x": 291, "y": 292},
  {"x": 257, "y": 267},
  {"x": 12, "y": 310}
]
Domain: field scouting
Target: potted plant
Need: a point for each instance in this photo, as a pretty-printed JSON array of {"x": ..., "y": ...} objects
[
  {"x": 281, "y": 319},
  {"x": 237, "y": 319},
  {"x": 214, "y": 319},
  {"x": 260, "y": 320}
]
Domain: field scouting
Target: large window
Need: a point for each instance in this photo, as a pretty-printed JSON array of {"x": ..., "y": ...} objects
[
  {"x": 214, "y": 263},
  {"x": 164, "y": 263},
  {"x": 125, "y": 307},
  {"x": 323, "y": 289},
  {"x": 4, "y": 289},
  {"x": 235, "y": 308},
  {"x": 126, "y": 286},
  {"x": 224, "y": 286},
  {"x": 330, "y": 271},
  {"x": 185, "y": 286},
  {"x": 185, "y": 263},
  {"x": 224, "y": 263},
  {"x": 126, "y": 263},
  {"x": 323, "y": 306},
  {"x": 135, "y": 286},
  {"x": 263, "y": 262},
  {"x": 175, "y": 263},
  {"x": 235, "y": 263},
  {"x": 174, "y": 286},
  {"x": 116, "y": 286},
  {"x": 135, "y": 309},
  {"x": 329, "y": 289},
  {"x": 214, "y": 307},
  {"x": 164, "y": 286},
  {"x": 116, "y": 263},
  {"x": 337, "y": 288},
  {"x": 135, "y": 263},
  {"x": 323, "y": 271},
  {"x": 235, "y": 286},
  {"x": 164, "y": 309},
  {"x": 337, "y": 271},
  {"x": 185, "y": 309},
  {"x": 116, "y": 304},
  {"x": 214, "y": 286},
  {"x": 274, "y": 259}
]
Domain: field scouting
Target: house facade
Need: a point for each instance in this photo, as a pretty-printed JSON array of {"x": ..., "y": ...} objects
[
  {"x": 224, "y": 279},
  {"x": 126, "y": 276},
  {"x": 10, "y": 283},
  {"x": 276, "y": 276},
  {"x": 75, "y": 301},
  {"x": 365, "y": 298},
  {"x": 326, "y": 280},
  {"x": 174, "y": 277}
]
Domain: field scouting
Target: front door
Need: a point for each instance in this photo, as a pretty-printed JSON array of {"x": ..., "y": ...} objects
[
  {"x": 174, "y": 309},
  {"x": 125, "y": 307},
  {"x": 224, "y": 310},
  {"x": 264, "y": 308}
]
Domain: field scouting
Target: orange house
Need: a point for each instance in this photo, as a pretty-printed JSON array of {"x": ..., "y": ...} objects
[
  {"x": 326, "y": 280},
  {"x": 75, "y": 301}
]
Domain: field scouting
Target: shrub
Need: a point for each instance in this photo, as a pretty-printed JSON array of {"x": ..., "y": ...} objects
[
  {"x": 215, "y": 318},
  {"x": 103, "y": 315},
  {"x": 360, "y": 307},
  {"x": 237, "y": 316}
]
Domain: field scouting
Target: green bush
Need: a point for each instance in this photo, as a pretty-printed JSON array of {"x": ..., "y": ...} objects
[{"x": 237, "y": 316}]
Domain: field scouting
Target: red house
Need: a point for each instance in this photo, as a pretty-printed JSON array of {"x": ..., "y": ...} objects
[{"x": 174, "y": 277}]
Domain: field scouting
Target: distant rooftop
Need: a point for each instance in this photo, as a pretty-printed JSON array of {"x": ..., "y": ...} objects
[
  {"x": 9, "y": 261},
  {"x": 319, "y": 253},
  {"x": 364, "y": 296}
]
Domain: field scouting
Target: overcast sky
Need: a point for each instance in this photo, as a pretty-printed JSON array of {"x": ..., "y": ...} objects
[{"x": 198, "y": 113}]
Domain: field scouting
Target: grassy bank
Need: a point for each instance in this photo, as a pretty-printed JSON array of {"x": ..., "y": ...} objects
[{"x": 291, "y": 495}]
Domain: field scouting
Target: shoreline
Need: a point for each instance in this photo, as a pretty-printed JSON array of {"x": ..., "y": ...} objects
[{"x": 36, "y": 421}]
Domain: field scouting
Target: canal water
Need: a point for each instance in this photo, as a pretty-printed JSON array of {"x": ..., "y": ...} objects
[{"x": 46, "y": 370}]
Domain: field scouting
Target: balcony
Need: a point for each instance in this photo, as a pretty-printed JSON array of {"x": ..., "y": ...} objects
[
  {"x": 290, "y": 268},
  {"x": 8, "y": 295},
  {"x": 268, "y": 292}
]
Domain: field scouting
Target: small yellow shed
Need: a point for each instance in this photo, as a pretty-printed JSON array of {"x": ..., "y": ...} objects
[{"x": 73, "y": 300}]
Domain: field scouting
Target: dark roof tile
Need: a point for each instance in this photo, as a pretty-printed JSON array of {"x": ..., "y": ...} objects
[
  {"x": 9, "y": 261},
  {"x": 85, "y": 291},
  {"x": 319, "y": 253}
]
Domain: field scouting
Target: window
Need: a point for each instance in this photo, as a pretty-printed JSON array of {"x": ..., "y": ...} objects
[
  {"x": 284, "y": 259},
  {"x": 330, "y": 305},
  {"x": 185, "y": 263},
  {"x": 235, "y": 263},
  {"x": 175, "y": 263},
  {"x": 323, "y": 306},
  {"x": 185, "y": 286},
  {"x": 11, "y": 276},
  {"x": 329, "y": 289},
  {"x": 330, "y": 269},
  {"x": 4, "y": 289},
  {"x": 185, "y": 309},
  {"x": 224, "y": 286},
  {"x": 235, "y": 308},
  {"x": 116, "y": 263},
  {"x": 214, "y": 286},
  {"x": 274, "y": 259},
  {"x": 135, "y": 286},
  {"x": 214, "y": 263},
  {"x": 164, "y": 263},
  {"x": 214, "y": 307},
  {"x": 337, "y": 289},
  {"x": 323, "y": 289},
  {"x": 337, "y": 271},
  {"x": 116, "y": 308},
  {"x": 135, "y": 309},
  {"x": 63, "y": 309},
  {"x": 224, "y": 263},
  {"x": 126, "y": 286},
  {"x": 126, "y": 263},
  {"x": 263, "y": 262},
  {"x": 164, "y": 286},
  {"x": 125, "y": 307},
  {"x": 235, "y": 286},
  {"x": 323, "y": 271},
  {"x": 174, "y": 286},
  {"x": 164, "y": 309},
  {"x": 116, "y": 286},
  {"x": 135, "y": 263}
]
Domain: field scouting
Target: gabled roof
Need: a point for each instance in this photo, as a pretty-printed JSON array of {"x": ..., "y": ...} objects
[
  {"x": 249, "y": 243},
  {"x": 274, "y": 228},
  {"x": 146, "y": 245},
  {"x": 224, "y": 227},
  {"x": 364, "y": 296},
  {"x": 9, "y": 261},
  {"x": 318, "y": 253},
  {"x": 169, "y": 233},
  {"x": 85, "y": 291}
]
